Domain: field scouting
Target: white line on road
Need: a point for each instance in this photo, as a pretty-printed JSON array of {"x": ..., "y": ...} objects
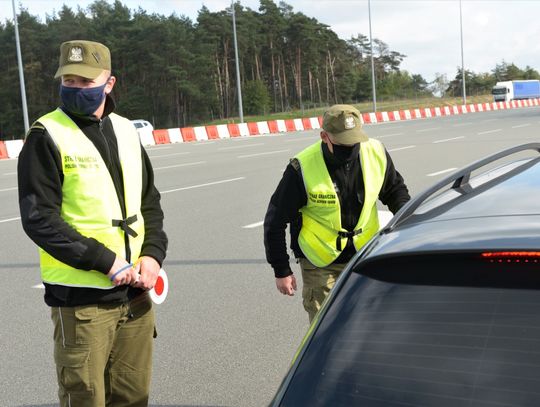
[
  {"x": 447, "y": 139},
  {"x": 433, "y": 174},
  {"x": 489, "y": 131},
  {"x": 235, "y": 147},
  {"x": 180, "y": 165},
  {"x": 521, "y": 125},
  {"x": 461, "y": 124},
  {"x": 429, "y": 129},
  {"x": 38, "y": 286},
  {"x": 8, "y": 189},
  {"x": 299, "y": 138},
  {"x": 400, "y": 148},
  {"x": 203, "y": 185},
  {"x": 157, "y": 148},
  {"x": 204, "y": 143},
  {"x": 265, "y": 153},
  {"x": 391, "y": 135},
  {"x": 10, "y": 173},
  {"x": 9, "y": 220},
  {"x": 253, "y": 225},
  {"x": 167, "y": 155}
]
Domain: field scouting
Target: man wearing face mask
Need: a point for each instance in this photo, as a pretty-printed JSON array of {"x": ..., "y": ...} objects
[
  {"x": 328, "y": 195},
  {"x": 87, "y": 199}
]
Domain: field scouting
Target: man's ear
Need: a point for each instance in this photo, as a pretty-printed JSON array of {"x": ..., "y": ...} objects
[
  {"x": 324, "y": 136},
  {"x": 110, "y": 84}
]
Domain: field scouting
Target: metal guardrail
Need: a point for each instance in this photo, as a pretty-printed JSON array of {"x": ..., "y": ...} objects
[{"x": 459, "y": 179}]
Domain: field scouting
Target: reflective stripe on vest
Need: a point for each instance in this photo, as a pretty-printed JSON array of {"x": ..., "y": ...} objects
[
  {"x": 89, "y": 199},
  {"x": 322, "y": 237}
]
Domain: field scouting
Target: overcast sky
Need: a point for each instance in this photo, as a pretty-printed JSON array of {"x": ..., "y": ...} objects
[{"x": 427, "y": 31}]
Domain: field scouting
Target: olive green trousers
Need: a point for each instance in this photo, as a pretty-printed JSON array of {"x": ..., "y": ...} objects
[
  {"x": 103, "y": 353},
  {"x": 317, "y": 283}
]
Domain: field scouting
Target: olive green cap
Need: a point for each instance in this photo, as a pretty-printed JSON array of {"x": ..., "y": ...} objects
[
  {"x": 83, "y": 58},
  {"x": 345, "y": 124}
]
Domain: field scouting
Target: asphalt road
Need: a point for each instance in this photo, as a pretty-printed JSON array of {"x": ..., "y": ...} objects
[{"x": 226, "y": 336}]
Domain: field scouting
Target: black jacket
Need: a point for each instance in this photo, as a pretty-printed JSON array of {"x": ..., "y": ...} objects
[
  {"x": 40, "y": 179},
  {"x": 290, "y": 196}
]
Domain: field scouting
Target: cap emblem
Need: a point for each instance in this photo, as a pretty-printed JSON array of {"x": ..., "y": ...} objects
[
  {"x": 349, "y": 123},
  {"x": 75, "y": 54}
]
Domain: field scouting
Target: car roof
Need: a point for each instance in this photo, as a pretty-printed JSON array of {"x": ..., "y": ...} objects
[{"x": 496, "y": 210}]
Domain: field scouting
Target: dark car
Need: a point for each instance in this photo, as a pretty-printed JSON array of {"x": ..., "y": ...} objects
[{"x": 442, "y": 307}]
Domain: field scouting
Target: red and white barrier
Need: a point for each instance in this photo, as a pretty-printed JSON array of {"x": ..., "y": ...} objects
[
  {"x": 3, "y": 150},
  {"x": 147, "y": 139},
  {"x": 12, "y": 148},
  {"x": 200, "y": 133}
]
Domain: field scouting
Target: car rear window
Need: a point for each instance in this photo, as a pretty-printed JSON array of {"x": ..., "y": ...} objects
[{"x": 385, "y": 344}]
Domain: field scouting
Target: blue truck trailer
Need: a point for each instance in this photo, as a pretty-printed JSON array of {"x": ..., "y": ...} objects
[{"x": 515, "y": 90}]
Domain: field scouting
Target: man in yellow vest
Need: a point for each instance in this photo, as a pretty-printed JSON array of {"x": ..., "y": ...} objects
[
  {"x": 87, "y": 199},
  {"x": 328, "y": 195}
]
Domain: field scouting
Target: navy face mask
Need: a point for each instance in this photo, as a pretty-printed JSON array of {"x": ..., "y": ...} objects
[
  {"x": 82, "y": 101},
  {"x": 345, "y": 153}
]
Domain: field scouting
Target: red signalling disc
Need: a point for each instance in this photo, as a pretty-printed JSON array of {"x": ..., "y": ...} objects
[{"x": 161, "y": 288}]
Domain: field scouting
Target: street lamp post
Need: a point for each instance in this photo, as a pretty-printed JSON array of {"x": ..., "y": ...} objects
[
  {"x": 21, "y": 73},
  {"x": 240, "y": 108},
  {"x": 374, "y": 92},
  {"x": 462, "y": 60}
]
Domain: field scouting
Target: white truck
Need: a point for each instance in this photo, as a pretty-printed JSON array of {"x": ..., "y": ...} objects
[{"x": 516, "y": 90}]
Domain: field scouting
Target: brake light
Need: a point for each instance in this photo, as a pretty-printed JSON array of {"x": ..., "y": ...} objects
[{"x": 512, "y": 257}]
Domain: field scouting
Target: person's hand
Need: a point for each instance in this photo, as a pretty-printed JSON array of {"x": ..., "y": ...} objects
[
  {"x": 121, "y": 272},
  {"x": 286, "y": 285},
  {"x": 147, "y": 269}
]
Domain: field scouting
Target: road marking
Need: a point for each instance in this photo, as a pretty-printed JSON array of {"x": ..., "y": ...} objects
[
  {"x": 400, "y": 148},
  {"x": 447, "y": 139},
  {"x": 441, "y": 172},
  {"x": 167, "y": 155},
  {"x": 8, "y": 189},
  {"x": 391, "y": 135},
  {"x": 235, "y": 147},
  {"x": 521, "y": 125},
  {"x": 10, "y": 173},
  {"x": 203, "y": 185},
  {"x": 299, "y": 138},
  {"x": 158, "y": 148},
  {"x": 253, "y": 225},
  {"x": 39, "y": 286},
  {"x": 429, "y": 129},
  {"x": 265, "y": 153},
  {"x": 204, "y": 143},
  {"x": 489, "y": 131},
  {"x": 180, "y": 165},
  {"x": 9, "y": 220},
  {"x": 461, "y": 124}
]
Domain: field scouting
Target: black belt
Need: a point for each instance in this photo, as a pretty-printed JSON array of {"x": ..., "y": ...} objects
[
  {"x": 124, "y": 225},
  {"x": 348, "y": 235}
]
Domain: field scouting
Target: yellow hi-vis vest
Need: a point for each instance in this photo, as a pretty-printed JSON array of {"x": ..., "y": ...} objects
[
  {"x": 322, "y": 237},
  {"x": 89, "y": 199}
]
